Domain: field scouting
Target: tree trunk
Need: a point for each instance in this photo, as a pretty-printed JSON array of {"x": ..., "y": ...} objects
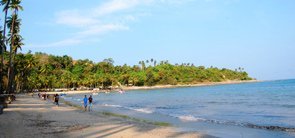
[
  {"x": 11, "y": 68},
  {"x": 2, "y": 53},
  {"x": 1, "y": 68}
]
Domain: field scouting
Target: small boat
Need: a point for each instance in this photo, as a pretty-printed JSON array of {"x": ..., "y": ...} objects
[{"x": 94, "y": 93}]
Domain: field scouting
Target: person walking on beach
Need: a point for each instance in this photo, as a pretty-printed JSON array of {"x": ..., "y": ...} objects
[
  {"x": 56, "y": 99},
  {"x": 85, "y": 100},
  {"x": 44, "y": 96},
  {"x": 90, "y": 103}
]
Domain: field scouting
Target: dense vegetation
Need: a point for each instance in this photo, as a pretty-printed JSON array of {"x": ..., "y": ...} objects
[
  {"x": 25, "y": 72},
  {"x": 40, "y": 70},
  {"x": 9, "y": 38}
]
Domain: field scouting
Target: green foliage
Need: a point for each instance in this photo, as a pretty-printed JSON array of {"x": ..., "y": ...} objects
[{"x": 39, "y": 71}]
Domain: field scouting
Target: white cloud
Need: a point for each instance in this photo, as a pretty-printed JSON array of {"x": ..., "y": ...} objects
[
  {"x": 175, "y": 1},
  {"x": 102, "y": 29},
  {"x": 65, "y": 42},
  {"x": 115, "y": 6},
  {"x": 75, "y": 19},
  {"x": 102, "y": 19},
  {"x": 84, "y": 18}
]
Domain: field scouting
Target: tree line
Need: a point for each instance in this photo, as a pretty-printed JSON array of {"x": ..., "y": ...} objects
[{"x": 44, "y": 71}]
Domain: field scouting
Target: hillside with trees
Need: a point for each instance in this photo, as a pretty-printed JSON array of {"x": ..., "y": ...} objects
[{"x": 43, "y": 71}]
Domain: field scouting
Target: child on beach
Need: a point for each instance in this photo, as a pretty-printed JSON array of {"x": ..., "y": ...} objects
[
  {"x": 85, "y": 100},
  {"x": 90, "y": 103}
]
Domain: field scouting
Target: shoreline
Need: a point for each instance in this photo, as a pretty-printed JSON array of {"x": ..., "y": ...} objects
[
  {"x": 155, "y": 87},
  {"x": 187, "y": 85},
  {"x": 33, "y": 117}
]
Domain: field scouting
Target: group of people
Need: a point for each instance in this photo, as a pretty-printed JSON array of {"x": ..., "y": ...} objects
[
  {"x": 45, "y": 96},
  {"x": 88, "y": 103}
]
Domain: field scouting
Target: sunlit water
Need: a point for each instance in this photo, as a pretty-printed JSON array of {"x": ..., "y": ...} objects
[{"x": 267, "y": 106}]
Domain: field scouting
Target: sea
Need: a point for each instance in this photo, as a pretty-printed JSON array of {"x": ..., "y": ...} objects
[{"x": 258, "y": 109}]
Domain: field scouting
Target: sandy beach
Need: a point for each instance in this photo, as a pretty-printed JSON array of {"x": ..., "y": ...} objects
[
  {"x": 32, "y": 117},
  {"x": 189, "y": 85},
  {"x": 157, "y": 87}
]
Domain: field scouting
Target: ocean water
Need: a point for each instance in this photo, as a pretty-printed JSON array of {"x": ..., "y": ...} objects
[{"x": 261, "y": 109}]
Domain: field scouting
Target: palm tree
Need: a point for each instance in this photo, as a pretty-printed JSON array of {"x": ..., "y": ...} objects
[
  {"x": 6, "y": 4},
  {"x": 166, "y": 62},
  {"x": 3, "y": 41},
  {"x": 17, "y": 45},
  {"x": 142, "y": 65},
  {"x": 13, "y": 24},
  {"x": 2, "y": 60},
  {"x": 30, "y": 63}
]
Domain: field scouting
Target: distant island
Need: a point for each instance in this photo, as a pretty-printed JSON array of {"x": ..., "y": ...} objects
[{"x": 44, "y": 71}]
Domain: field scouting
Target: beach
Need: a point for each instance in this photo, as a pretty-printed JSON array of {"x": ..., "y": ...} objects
[
  {"x": 130, "y": 88},
  {"x": 33, "y": 117},
  {"x": 214, "y": 111},
  {"x": 188, "y": 85}
]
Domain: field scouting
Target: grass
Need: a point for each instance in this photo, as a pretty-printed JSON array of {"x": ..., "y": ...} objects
[{"x": 163, "y": 124}]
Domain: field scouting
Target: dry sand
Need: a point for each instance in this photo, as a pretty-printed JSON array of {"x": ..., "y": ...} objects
[
  {"x": 31, "y": 117},
  {"x": 159, "y": 87},
  {"x": 187, "y": 85}
]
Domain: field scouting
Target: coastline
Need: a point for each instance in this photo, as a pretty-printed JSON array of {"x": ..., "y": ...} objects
[
  {"x": 188, "y": 85},
  {"x": 157, "y": 87},
  {"x": 33, "y": 117}
]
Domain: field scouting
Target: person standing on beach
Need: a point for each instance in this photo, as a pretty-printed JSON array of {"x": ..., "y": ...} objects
[
  {"x": 56, "y": 98},
  {"x": 85, "y": 100},
  {"x": 90, "y": 103},
  {"x": 44, "y": 96}
]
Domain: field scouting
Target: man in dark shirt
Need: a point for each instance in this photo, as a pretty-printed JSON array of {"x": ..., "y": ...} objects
[
  {"x": 56, "y": 98},
  {"x": 90, "y": 103}
]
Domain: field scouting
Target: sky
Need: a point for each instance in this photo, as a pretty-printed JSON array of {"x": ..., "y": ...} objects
[{"x": 256, "y": 35}]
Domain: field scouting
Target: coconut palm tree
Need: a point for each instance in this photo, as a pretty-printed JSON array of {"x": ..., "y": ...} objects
[
  {"x": 3, "y": 41},
  {"x": 15, "y": 39},
  {"x": 17, "y": 44},
  {"x": 2, "y": 60},
  {"x": 6, "y": 4},
  {"x": 13, "y": 24},
  {"x": 25, "y": 70}
]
